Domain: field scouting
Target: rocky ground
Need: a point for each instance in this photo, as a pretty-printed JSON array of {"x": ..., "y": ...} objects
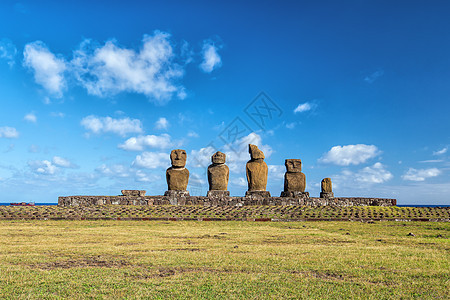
[{"x": 245, "y": 213}]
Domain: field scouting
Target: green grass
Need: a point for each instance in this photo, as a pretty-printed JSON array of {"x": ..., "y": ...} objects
[{"x": 223, "y": 260}]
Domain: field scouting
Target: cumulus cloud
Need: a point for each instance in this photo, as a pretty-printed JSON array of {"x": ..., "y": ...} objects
[
  {"x": 62, "y": 162},
  {"x": 8, "y": 132},
  {"x": 47, "y": 167},
  {"x": 237, "y": 152},
  {"x": 114, "y": 171},
  {"x": 302, "y": 107},
  {"x": 350, "y": 154},
  {"x": 120, "y": 172},
  {"x": 440, "y": 152},
  {"x": 139, "y": 143},
  {"x": 201, "y": 158},
  {"x": 374, "y": 76},
  {"x": 122, "y": 127},
  {"x": 365, "y": 177},
  {"x": 276, "y": 172},
  {"x": 152, "y": 160},
  {"x": 30, "y": 117},
  {"x": 8, "y": 51},
  {"x": 43, "y": 167},
  {"x": 211, "y": 57},
  {"x": 421, "y": 174},
  {"x": 374, "y": 174},
  {"x": 48, "y": 69},
  {"x": 239, "y": 181},
  {"x": 162, "y": 123},
  {"x": 111, "y": 69}
]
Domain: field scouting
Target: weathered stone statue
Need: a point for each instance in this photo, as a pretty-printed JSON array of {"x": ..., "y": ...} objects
[
  {"x": 177, "y": 175},
  {"x": 218, "y": 175},
  {"x": 256, "y": 170},
  {"x": 294, "y": 179},
  {"x": 327, "y": 189}
]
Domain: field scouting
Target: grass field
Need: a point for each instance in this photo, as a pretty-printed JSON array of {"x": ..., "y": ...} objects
[{"x": 223, "y": 260}]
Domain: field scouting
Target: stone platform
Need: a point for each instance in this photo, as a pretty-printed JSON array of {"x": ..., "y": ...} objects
[{"x": 222, "y": 201}]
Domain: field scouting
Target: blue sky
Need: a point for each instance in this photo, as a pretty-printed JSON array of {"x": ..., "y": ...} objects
[{"x": 95, "y": 95}]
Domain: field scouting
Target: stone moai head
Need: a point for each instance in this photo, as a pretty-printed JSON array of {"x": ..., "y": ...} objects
[
  {"x": 326, "y": 185},
  {"x": 178, "y": 158},
  {"x": 218, "y": 158},
  {"x": 255, "y": 153},
  {"x": 293, "y": 165}
]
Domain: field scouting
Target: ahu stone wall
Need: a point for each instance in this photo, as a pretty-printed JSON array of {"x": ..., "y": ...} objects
[{"x": 221, "y": 201}]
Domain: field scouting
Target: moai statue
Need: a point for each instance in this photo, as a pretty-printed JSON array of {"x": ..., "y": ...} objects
[
  {"x": 327, "y": 189},
  {"x": 294, "y": 179},
  {"x": 218, "y": 174},
  {"x": 256, "y": 170},
  {"x": 177, "y": 175}
]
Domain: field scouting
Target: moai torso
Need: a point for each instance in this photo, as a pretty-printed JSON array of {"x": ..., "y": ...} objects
[
  {"x": 294, "y": 179},
  {"x": 326, "y": 185},
  {"x": 177, "y": 176},
  {"x": 177, "y": 179},
  {"x": 256, "y": 170},
  {"x": 218, "y": 173}
]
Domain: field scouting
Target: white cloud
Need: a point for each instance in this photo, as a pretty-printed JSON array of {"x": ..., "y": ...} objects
[
  {"x": 121, "y": 127},
  {"x": 239, "y": 181},
  {"x": 291, "y": 125},
  {"x": 162, "y": 123},
  {"x": 201, "y": 158},
  {"x": 111, "y": 69},
  {"x": 421, "y": 174},
  {"x": 237, "y": 152},
  {"x": 152, "y": 160},
  {"x": 48, "y": 69},
  {"x": 139, "y": 143},
  {"x": 374, "y": 76},
  {"x": 8, "y": 132},
  {"x": 8, "y": 51},
  {"x": 276, "y": 172},
  {"x": 350, "y": 154},
  {"x": 119, "y": 172},
  {"x": 211, "y": 58},
  {"x": 374, "y": 174},
  {"x": 62, "y": 162},
  {"x": 431, "y": 161},
  {"x": 57, "y": 114},
  {"x": 114, "y": 171},
  {"x": 303, "y": 107},
  {"x": 440, "y": 152},
  {"x": 30, "y": 117},
  {"x": 44, "y": 167},
  {"x": 361, "y": 179},
  {"x": 193, "y": 134}
]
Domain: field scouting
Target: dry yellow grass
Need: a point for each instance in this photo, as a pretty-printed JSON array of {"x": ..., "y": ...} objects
[{"x": 224, "y": 260}]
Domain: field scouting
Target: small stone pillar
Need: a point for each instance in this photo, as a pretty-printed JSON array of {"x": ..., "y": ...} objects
[
  {"x": 177, "y": 177},
  {"x": 327, "y": 189},
  {"x": 294, "y": 179},
  {"x": 256, "y": 170},
  {"x": 218, "y": 175}
]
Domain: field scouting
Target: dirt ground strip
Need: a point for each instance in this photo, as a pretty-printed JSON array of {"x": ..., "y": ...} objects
[{"x": 217, "y": 213}]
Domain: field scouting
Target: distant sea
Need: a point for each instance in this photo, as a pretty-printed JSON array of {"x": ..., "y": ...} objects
[{"x": 402, "y": 205}]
